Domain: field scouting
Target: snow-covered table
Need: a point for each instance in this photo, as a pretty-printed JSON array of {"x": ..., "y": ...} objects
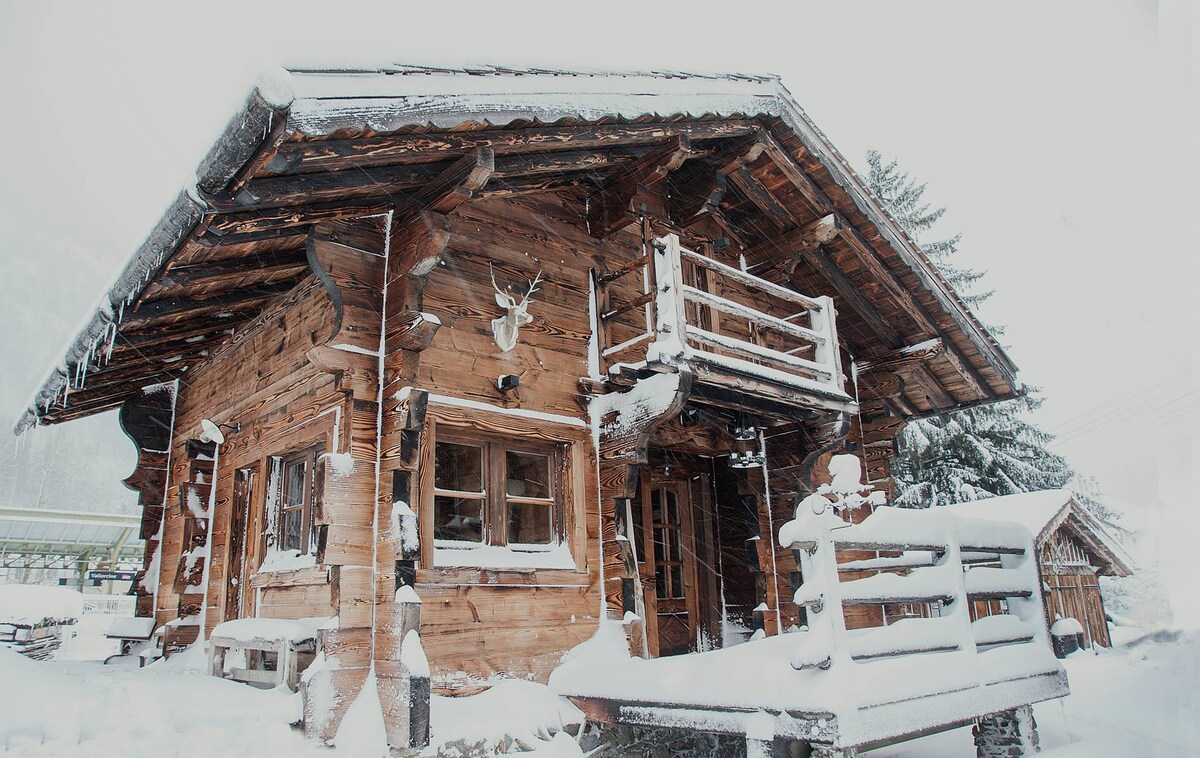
[{"x": 260, "y": 639}]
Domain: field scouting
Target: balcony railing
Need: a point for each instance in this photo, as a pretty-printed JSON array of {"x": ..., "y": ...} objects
[
  {"x": 676, "y": 305},
  {"x": 922, "y": 564}
]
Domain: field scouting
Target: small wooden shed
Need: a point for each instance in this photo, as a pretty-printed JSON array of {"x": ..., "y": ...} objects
[{"x": 1075, "y": 551}]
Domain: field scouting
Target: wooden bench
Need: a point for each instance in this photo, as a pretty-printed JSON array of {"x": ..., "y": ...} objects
[{"x": 273, "y": 650}]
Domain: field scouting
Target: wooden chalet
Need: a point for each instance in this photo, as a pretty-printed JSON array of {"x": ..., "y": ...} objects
[
  {"x": 1075, "y": 550},
  {"x": 469, "y": 361}
]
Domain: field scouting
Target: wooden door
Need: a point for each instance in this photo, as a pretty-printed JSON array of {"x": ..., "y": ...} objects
[
  {"x": 669, "y": 551},
  {"x": 237, "y": 574}
]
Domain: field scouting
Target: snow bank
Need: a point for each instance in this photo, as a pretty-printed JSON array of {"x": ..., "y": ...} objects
[
  {"x": 35, "y": 702},
  {"x": 31, "y": 603},
  {"x": 362, "y": 732},
  {"x": 524, "y": 711}
]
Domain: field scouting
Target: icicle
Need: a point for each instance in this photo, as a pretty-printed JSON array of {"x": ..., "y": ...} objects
[
  {"x": 66, "y": 393},
  {"x": 112, "y": 338}
]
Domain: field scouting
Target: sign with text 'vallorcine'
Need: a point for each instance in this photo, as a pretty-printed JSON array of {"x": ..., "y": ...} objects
[{"x": 116, "y": 576}]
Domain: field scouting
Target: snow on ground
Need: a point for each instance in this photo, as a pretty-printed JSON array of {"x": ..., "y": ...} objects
[
  {"x": 1138, "y": 700},
  {"x": 76, "y": 706},
  {"x": 32, "y": 603}
]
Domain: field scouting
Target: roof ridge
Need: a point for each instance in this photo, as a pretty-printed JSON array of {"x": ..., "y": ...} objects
[{"x": 469, "y": 69}]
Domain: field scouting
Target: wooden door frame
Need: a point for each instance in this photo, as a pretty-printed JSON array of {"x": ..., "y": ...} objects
[
  {"x": 682, "y": 485},
  {"x": 239, "y": 565}
]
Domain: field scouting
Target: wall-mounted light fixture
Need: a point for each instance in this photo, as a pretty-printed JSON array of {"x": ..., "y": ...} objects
[{"x": 210, "y": 431}]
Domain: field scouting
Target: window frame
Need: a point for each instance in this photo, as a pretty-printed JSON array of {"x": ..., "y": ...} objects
[
  {"x": 495, "y": 497},
  {"x": 274, "y": 498}
]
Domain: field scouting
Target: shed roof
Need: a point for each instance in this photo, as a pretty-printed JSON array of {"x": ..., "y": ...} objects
[
  {"x": 220, "y": 253},
  {"x": 1044, "y": 512}
]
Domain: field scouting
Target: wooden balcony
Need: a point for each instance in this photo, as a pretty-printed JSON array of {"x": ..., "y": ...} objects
[{"x": 747, "y": 340}]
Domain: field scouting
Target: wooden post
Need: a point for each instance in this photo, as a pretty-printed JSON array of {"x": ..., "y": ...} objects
[
  {"x": 670, "y": 320},
  {"x": 403, "y": 675}
]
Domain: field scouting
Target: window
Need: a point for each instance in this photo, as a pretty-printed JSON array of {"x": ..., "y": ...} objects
[
  {"x": 668, "y": 546},
  {"x": 290, "y": 501},
  {"x": 496, "y": 492}
]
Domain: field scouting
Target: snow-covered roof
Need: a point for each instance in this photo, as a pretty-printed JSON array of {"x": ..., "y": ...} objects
[
  {"x": 1034, "y": 510},
  {"x": 340, "y": 101},
  {"x": 1043, "y": 512}
]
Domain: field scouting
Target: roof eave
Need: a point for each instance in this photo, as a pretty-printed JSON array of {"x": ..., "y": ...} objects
[
  {"x": 914, "y": 259},
  {"x": 237, "y": 145}
]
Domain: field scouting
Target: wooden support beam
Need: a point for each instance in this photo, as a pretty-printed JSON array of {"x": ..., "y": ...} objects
[
  {"x": 454, "y": 186},
  {"x": 903, "y": 357},
  {"x": 333, "y": 154},
  {"x": 170, "y": 306},
  {"x": 384, "y": 181},
  {"x": 783, "y": 160},
  {"x": 938, "y": 397},
  {"x": 698, "y": 188},
  {"x": 261, "y": 265},
  {"x": 849, "y": 294},
  {"x": 608, "y": 207},
  {"x": 273, "y": 223},
  {"x": 762, "y": 198},
  {"x": 805, "y": 240}
]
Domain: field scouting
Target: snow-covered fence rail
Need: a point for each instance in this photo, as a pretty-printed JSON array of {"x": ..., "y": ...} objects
[
  {"x": 923, "y": 565},
  {"x": 692, "y": 322},
  {"x": 112, "y": 605}
]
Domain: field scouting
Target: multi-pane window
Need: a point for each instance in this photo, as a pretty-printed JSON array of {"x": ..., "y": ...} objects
[
  {"x": 293, "y": 498},
  {"x": 668, "y": 543},
  {"x": 495, "y": 492}
]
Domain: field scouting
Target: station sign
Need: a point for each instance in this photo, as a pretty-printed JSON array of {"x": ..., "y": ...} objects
[{"x": 115, "y": 576}]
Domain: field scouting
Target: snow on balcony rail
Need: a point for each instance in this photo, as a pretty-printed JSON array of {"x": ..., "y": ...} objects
[
  {"x": 683, "y": 323},
  {"x": 930, "y": 543},
  {"x": 1001, "y": 629},
  {"x": 987, "y": 582}
]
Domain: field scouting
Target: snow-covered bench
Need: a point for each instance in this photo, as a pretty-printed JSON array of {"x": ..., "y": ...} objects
[
  {"x": 133, "y": 633},
  {"x": 272, "y": 649}
]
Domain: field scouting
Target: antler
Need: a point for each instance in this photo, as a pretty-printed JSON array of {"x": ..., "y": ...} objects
[
  {"x": 532, "y": 288},
  {"x": 496, "y": 287}
]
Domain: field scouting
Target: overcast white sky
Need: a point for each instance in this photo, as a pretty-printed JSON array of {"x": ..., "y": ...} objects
[{"x": 1060, "y": 135}]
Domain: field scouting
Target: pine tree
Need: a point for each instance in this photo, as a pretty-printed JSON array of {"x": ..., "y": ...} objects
[{"x": 977, "y": 452}]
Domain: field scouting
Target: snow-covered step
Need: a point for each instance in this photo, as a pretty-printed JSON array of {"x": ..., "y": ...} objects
[
  {"x": 923, "y": 585},
  {"x": 1001, "y": 629},
  {"x": 987, "y": 583},
  {"x": 905, "y": 637}
]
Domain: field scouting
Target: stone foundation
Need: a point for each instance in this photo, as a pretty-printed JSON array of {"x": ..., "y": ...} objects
[
  {"x": 625, "y": 741},
  {"x": 1009, "y": 734}
]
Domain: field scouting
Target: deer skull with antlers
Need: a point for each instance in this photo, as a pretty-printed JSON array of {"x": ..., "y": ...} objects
[{"x": 505, "y": 328}]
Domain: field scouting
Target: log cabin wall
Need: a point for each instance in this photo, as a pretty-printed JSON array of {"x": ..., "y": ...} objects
[
  {"x": 267, "y": 381},
  {"x": 480, "y": 623}
]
